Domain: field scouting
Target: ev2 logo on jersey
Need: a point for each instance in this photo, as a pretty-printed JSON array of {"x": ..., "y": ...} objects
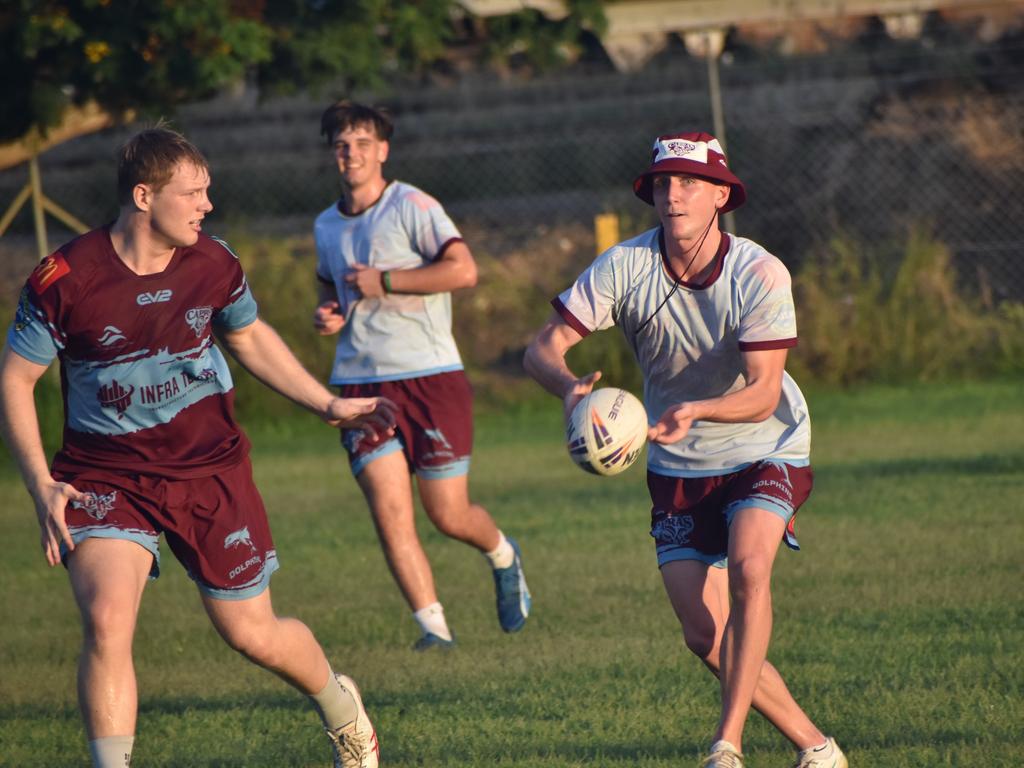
[{"x": 156, "y": 297}]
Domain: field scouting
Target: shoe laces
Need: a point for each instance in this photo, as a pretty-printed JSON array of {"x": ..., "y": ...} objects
[
  {"x": 723, "y": 759},
  {"x": 349, "y": 747}
]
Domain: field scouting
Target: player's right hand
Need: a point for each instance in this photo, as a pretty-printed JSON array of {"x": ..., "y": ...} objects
[
  {"x": 51, "y": 503},
  {"x": 376, "y": 416},
  {"x": 579, "y": 389},
  {"x": 328, "y": 318}
]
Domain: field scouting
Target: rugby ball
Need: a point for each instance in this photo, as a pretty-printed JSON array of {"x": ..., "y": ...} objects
[{"x": 607, "y": 431}]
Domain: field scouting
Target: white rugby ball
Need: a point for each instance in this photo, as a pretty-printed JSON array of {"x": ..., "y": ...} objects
[{"x": 607, "y": 431}]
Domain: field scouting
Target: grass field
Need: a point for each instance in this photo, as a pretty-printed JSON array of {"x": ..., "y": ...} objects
[{"x": 900, "y": 627}]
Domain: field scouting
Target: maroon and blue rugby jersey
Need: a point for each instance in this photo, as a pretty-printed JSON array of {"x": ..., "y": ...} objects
[{"x": 145, "y": 389}]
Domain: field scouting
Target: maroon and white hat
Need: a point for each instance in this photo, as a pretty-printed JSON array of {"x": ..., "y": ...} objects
[{"x": 698, "y": 154}]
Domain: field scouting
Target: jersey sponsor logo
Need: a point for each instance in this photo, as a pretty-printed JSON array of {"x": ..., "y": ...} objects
[
  {"x": 50, "y": 270},
  {"x": 198, "y": 318},
  {"x": 156, "y": 297},
  {"x": 175, "y": 387},
  {"x": 239, "y": 538},
  {"x": 111, "y": 335},
  {"x": 673, "y": 530},
  {"x": 96, "y": 505},
  {"x": 115, "y": 396}
]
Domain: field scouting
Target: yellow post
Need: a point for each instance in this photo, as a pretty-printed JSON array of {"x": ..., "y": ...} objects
[{"x": 606, "y": 231}]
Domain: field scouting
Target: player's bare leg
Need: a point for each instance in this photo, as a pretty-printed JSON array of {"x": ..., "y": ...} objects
[
  {"x": 386, "y": 484},
  {"x": 754, "y": 538},
  {"x": 107, "y": 579},
  {"x": 446, "y": 502},
  {"x": 287, "y": 648},
  {"x": 284, "y": 646},
  {"x": 700, "y": 597}
]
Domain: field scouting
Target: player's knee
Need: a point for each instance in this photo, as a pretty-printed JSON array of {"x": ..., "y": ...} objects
[
  {"x": 108, "y": 626},
  {"x": 749, "y": 576},
  {"x": 256, "y": 646},
  {"x": 701, "y": 641}
]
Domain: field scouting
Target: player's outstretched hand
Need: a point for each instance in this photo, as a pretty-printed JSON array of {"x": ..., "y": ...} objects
[
  {"x": 579, "y": 389},
  {"x": 373, "y": 415},
  {"x": 328, "y": 319},
  {"x": 673, "y": 425},
  {"x": 51, "y": 503}
]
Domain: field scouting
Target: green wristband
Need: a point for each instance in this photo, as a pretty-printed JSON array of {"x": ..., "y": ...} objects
[{"x": 385, "y": 279}]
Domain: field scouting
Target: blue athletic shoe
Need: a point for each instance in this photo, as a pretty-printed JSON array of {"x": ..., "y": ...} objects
[
  {"x": 512, "y": 593},
  {"x": 430, "y": 640}
]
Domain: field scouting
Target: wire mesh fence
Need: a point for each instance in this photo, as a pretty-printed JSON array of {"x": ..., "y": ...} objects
[{"x": 861, "y": 146}]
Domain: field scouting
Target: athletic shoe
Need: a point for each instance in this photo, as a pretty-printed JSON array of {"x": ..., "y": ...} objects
[
  {"x": 355, "y": 745},
  {"x": 723, "y": 755},
  {"x": 512, "y": 593},
  {"x": 430, "y": 640},
  {"x": 828, "y": 756}
]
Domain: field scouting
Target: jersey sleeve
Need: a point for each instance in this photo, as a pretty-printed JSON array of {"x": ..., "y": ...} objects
[
  {"x": 591, "y": 302},
  {"x": 768, "y": 315},
  {"x": 429, "y": 228},
  {"x": 32, "y": 334},
  {"x": 239, "y": 309}
]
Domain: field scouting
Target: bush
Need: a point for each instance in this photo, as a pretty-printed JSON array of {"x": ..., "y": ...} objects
[{"x": 898, "y": 317}]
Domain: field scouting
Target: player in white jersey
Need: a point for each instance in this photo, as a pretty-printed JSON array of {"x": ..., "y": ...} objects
[
  {"x": 710, "y": 318},
  {"x": 388, "y": 258}
]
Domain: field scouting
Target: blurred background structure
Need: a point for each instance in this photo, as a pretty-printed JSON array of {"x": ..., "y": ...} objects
[{"x": 862, "y": 121}]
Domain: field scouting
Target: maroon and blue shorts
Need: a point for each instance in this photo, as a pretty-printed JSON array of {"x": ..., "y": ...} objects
[
  {"x": 216, "y": 526},
  {"x": 690, "y": 516},
  {"x": 434, "y": 426}
]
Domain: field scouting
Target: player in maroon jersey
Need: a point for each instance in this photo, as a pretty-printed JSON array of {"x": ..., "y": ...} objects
[{"x": 151, "y": 445}]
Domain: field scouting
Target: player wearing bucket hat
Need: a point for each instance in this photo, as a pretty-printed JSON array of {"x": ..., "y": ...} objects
[
  {"x": 697, "y": 154},
  {"x": 710, "y": 318}
]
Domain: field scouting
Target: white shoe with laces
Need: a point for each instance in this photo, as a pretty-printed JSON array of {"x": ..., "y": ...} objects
[
  {"x": 827, "y": 756},
  {"x": 355, "y": 745},
  {"x": 723, "y": 755}
]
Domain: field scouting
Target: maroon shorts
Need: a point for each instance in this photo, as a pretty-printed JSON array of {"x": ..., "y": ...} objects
[
  {"x": 215, "y": 526},
  {"x": 434, "y": 429},
  {"x": 690, "y": 516}
]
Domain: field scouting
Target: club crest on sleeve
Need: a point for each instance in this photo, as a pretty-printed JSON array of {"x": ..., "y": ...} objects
[
  {"x": 50, "y": 270},
  {"x": 23, "y": 315}
]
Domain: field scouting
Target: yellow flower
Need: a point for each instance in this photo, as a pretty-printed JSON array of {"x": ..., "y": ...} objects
[{"x": 96, "y": 51}]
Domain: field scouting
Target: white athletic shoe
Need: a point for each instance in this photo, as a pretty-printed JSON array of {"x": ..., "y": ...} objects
[
  {"x": 723, "y": 755},
  {"x": 355, "y": 745},
  {"x": 828, "y": 756}
]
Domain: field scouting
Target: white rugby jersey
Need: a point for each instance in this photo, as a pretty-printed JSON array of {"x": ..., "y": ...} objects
[
  {"x": 398, "y": 336},
  {"x": 691, "y": 348}
]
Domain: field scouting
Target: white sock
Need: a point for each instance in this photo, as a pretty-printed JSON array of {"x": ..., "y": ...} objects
[
  {"x": 503, "y": 555},
  {"x": 431, "y": 619},
  {"x": 112, "y": 751},
  {"x": 336, "y": 706},
  {"x": 722, "y": 744}
]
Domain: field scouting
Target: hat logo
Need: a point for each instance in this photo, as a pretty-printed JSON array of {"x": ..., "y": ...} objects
[{"x": 679, "y": 148}]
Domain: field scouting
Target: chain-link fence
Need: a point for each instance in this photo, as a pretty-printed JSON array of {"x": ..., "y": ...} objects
[{"x": 866, "y": 146}]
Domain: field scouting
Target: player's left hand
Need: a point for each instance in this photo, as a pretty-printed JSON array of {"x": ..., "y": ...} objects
[
  {"x": 366, "y": 280},
  {"x": 373, "y": 415},
  {"x": 673, "y": 425}
]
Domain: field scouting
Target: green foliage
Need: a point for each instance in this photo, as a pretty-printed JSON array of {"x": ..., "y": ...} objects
[
  {"x": 149, "y": 57},
  {"x": 898, "y": 317}
]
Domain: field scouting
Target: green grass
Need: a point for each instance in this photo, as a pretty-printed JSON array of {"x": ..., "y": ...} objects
[{"x": 900, "y": 627}]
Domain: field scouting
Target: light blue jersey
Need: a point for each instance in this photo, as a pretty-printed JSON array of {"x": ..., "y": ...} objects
[
  {"x": 689, "y": 342},
  {"x": 398, "y": 336}
]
